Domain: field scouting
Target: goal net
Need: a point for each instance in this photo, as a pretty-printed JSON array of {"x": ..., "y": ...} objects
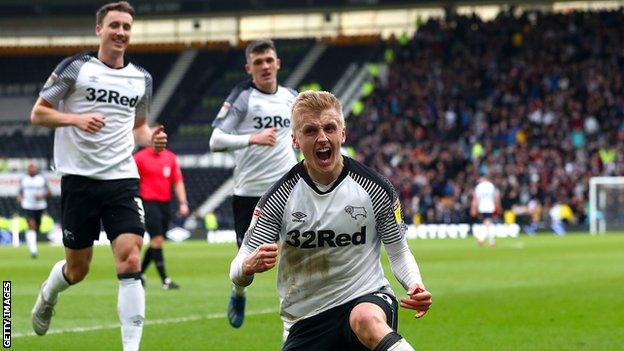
[{"x": 606, "y": 204}]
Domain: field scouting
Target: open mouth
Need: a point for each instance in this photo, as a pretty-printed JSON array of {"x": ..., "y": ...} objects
[{"x": 324, "y": 154}]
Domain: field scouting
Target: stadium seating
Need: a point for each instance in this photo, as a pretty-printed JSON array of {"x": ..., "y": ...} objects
[
  {"x": 207, "y": 69},
  {"x": 202, "y": 182},
  {"x": 335, "y": 60},
  {"x": 21, "y": 139},
  {"x": 532, "y": 100}
]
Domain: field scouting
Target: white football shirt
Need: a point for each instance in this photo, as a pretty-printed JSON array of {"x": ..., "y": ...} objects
[
  {"x": 247, "y": 110},
  {"x": 486, "y": 195},
  {"x": 30, "y": 188},
  {"x": 83, "y": 84},
  {"x": 330, "y": 241}
]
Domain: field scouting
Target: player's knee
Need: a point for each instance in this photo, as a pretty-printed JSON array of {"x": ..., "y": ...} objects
[
  {"x": 131, "y": 263},
  {"x": 365, "y": 318}
]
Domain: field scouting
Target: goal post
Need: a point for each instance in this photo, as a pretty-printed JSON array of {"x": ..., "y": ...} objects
[{"x": 606, "y": 204}]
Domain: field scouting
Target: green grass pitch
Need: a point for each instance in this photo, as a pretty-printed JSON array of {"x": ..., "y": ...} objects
[{"x": 530, "y": 293}]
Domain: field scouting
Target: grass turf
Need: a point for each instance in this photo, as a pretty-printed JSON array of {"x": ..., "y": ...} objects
[{"x": 530, "y": 293}]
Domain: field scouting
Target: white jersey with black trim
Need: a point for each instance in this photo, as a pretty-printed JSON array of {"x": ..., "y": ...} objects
[
  {"x": 84, "y": 84},
  {"x": 246, "y": 111},
  {"x": 329, "y": 240},
  {"x": 485, "y": 192},
  {"x": 32, "y": 187}
]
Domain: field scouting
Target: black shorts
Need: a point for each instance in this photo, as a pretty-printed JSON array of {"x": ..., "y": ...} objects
[
  {"x": 32, "y": 214},
  {"x": 86, "y": 202},
  {"x": 157, "y": 217},
  {"x": 330, "y": 330},
  {"x": 485, "y": 215},
  {"x": 243, "y": 207}
]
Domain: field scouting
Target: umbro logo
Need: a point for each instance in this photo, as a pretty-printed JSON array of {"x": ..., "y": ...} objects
[
  {"x": 299, "y": 216},
  {"x": 355, "y": 211},
  {"x": 137, "y": 320},
  {"x": 93, "y": 79}
]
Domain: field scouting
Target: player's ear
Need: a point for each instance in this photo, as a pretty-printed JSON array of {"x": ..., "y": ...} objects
[
  {"x": 98, "y": 29},
  {"x": 248, "y": 68},
  {"x": 295, "y": 142},
  {"x": 344, "y": 136},
  {"x": 278, "y": 62}
]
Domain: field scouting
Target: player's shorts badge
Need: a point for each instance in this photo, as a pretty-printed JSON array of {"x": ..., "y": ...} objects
[{"x": 384, "y": 297}]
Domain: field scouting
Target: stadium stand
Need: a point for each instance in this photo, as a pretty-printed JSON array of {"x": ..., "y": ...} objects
[
  {"x": 186, "y": 132},
  {"x": 203, "y": 181},
  {"x": 335, "y": 60},
  {"x": 532, "y": 100},
  {"x": 23, "y": 140}
]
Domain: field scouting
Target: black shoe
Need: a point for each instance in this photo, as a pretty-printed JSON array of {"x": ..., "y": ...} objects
[
  {"x": 236, "y": 310},
  {"x": 170, "y": 285}
]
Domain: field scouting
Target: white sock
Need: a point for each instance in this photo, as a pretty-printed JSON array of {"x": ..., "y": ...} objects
[
  {"x": 401, "y": 345},
  {"x": 56, "y": 282},
  {"x": 491, "y": 234},
  {"x": 239, "y": 290},
  {"x": 131, "y": 310},
  {"x": 31, "y": 241}
]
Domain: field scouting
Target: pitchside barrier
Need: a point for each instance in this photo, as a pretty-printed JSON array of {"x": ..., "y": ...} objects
[
  {"x": 10, "y": 183},
  {"x": 423, "y": 231}
]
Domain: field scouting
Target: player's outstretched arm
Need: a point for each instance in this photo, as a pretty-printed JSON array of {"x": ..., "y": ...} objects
[
  {"x": 44, "y": 114},
  {"x": 418, "y": 299}
]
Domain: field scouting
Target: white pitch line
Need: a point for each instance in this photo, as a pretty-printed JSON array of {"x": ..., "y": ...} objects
[{"x": 147, "y": 322}]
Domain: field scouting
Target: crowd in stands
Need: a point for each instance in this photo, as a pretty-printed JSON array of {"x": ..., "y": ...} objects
[{"x": 533, "y": 101}]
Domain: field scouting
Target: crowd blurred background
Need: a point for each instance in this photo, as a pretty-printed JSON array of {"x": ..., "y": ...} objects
[
  {"x": 532, "y": 101},
  {"x": 528, "y": 97}
]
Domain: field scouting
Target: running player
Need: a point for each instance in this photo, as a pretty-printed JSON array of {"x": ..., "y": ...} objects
[
  {"x": 98, "y": 104},
  {"x": 32, "y": 197},
  {"x": 485, "y": 202}
]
